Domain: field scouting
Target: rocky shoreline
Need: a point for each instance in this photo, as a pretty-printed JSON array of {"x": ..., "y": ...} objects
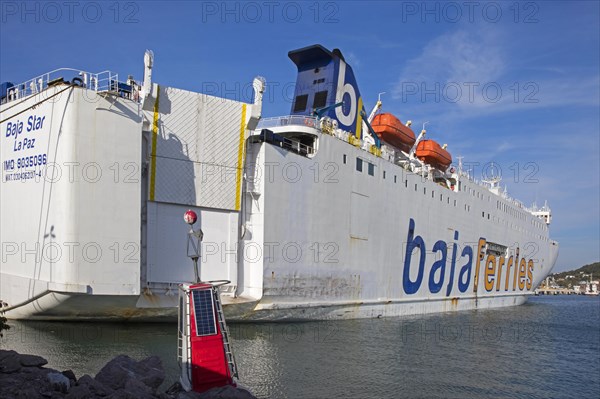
[{"x": 24, "y": 376}]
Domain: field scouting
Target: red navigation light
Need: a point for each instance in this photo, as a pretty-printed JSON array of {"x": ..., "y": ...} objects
[{"x": 190, "y": 217}]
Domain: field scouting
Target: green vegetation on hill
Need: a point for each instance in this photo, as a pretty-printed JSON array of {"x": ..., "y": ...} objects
[{"x": 573, "y": 277}]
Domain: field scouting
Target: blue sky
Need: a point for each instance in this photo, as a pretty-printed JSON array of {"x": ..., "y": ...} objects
[{"x": 517, "y": 84}]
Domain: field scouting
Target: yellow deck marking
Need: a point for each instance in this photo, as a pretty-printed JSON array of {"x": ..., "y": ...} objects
[
  {"x": 238, "y": 186},
  {"x": 154, "y": 143}
]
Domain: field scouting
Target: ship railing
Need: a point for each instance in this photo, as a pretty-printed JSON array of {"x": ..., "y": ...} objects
[
  {"x": 302, "y": 120},
  {"x": 520, "y": 205},
  {"x": 289, "y": 120},
  {"x": 503, "y": 194},
  {"x": 105, "y": 81},
  {"x": 536, "y": 209},
  {"x": 284, "y": 142},
  {"x": 544, "y": 208},
  {"x": 297, "y": 147}
]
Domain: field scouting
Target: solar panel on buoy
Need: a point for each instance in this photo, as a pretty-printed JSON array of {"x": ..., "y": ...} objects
[{"x": 204, "y": 312}]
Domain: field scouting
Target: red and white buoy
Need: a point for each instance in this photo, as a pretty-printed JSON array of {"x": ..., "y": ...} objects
[{"x": 204, "y": 353}]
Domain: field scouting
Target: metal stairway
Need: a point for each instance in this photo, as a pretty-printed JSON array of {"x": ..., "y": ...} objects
[
  {"x": 223, "y": 326},
  {"x": 183, "y": 336}
]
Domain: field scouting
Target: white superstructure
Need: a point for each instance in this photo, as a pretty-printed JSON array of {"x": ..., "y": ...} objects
[{"x": 304, "y": 215}]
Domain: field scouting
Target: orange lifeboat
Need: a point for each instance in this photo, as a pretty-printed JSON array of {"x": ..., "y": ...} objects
[
  {"x": 390, "y": 130},
  {"x": 430, "y": 152}
]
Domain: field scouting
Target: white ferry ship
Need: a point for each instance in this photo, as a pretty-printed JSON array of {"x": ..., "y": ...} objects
[{"x": 328, "y": 213}]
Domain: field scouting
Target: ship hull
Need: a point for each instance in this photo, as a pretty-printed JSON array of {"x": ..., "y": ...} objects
[
  {"x": 351, "y": 252},
  {"x": 55, "y": 306},
  {"x": 331, "y": 233}
]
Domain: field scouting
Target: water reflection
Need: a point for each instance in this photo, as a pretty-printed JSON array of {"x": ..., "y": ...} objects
[{"x": 549, "y": 347}]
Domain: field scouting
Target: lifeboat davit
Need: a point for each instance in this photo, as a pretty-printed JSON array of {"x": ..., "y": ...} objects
[
  {"x": 431, "y": 153},
  {"x": 390, "y": 130}
]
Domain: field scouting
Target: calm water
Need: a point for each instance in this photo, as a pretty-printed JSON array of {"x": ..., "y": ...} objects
[{"x": 549, "y": 347}]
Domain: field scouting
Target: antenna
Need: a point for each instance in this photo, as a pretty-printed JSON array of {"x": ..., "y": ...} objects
[
  {"x": 376, "y": 108},
  {"x": 493, "y": 176}
]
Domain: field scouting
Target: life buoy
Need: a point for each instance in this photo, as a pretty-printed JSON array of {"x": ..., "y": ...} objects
[{"x": 77, "y": 82}]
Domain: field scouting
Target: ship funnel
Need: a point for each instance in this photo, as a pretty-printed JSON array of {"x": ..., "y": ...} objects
[{"x": 326, "y": 86}]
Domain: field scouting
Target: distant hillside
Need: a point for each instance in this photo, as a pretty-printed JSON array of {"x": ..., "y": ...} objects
[
  {"x": 578, "y": 275},
  {"x": 593, "y": 268}
]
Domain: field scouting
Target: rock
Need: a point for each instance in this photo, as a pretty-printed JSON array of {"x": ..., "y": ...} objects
[
  {"x": 58, "y": 382},
  {"x": 174, "y": 389},
  {"x": 70, "y": 375},
  {"x": 151, "y": 370},
  {"x": 8, "y": 380},
  {"x": 32, "y": 361},
  {"x": 80, "y": 392},
  {"x": 26, "y": 393},
  {"x": 96, "y": 388},
  {"x": 118, "y": 371},
  {"x": 23, "y": 376},
  {"x": 138, "y": 389},
  {"x": 49, "y": 394},
  {"x": 226, "y": 392},
  {"x": 121, "y": 395},
  {"x": 27, "y": 384},
  {"x": 10, "y": 361},
  {"x": 5, "y": 354}
]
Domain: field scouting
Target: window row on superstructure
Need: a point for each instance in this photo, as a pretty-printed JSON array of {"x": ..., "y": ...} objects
[{"x": 363, "y": 164}]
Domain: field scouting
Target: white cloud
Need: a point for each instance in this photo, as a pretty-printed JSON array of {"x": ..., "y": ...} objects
[
  {"x": 352, "y": 59},
  {"x": 456, "y": 57},
  {"x": 469, "y": 73}
]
